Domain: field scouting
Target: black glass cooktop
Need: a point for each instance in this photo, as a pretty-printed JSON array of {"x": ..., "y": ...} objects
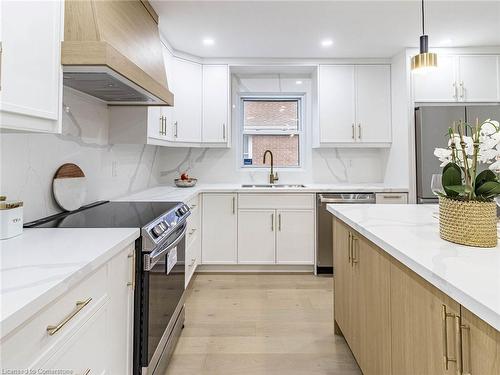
[{"x": 107, "y": 215}]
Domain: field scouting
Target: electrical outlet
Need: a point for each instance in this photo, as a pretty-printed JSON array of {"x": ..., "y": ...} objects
[{"x": 114, "y": 169}]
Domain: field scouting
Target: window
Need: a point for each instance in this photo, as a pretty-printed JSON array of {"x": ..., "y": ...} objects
[{"x": 271, "y": 124}]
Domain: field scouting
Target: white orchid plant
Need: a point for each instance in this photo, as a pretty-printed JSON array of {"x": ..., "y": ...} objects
[{"x": 461, "y": 160}]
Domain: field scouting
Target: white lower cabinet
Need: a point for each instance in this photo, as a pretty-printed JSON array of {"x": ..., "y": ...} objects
[
  {"x": 87, "y": 351},
  {"x": 193, "y": 239},
  {"x": 276, "y": 229},
  {"x": 87, "y": 330},
  {"x": 256, "y": 236},
  {"x": 219, "y": 228},
  {"x": 295, "y": 237}
]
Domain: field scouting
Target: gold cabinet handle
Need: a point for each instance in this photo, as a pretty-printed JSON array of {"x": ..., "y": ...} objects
[
  {"x": 359, "y": 131},
  {"x": 353, "y": 256},
  {"x": 349, "y": 248},
  {"x": 458, "y": 344},
  {"x": 455, "y": 94},
  {"x": 52, "y": 330},
  {"x": 279, "y": 222},
  {"x": 444, "y": 316},
  {"x": 353, "y": 132},
  {"x": 132, "y": 283},
  {"x": 462, "y": 348},
  {"x": 272, "y": 222},
  {"x": 224, "y": 132},
  {"x": 234, "y": 205}
]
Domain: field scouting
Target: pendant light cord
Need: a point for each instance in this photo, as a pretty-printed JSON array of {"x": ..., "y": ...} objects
[{"x": 423, "y": 18}]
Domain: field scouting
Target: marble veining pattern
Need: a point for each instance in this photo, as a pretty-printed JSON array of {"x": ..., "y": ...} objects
[{"x": 29, "y": 160}]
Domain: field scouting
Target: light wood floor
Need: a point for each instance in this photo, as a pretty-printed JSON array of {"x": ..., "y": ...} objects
[{"x": 260, "y": 324}]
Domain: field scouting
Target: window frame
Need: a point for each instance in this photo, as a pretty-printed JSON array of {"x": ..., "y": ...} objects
[{"x": 300, "y": 132}]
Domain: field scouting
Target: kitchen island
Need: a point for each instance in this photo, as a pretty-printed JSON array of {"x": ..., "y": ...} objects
[{"x": 409, "y": 302}]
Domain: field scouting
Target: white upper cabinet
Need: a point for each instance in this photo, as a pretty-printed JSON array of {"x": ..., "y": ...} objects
[
  {"x": 186, "y": 84},
  {"x": 336, "y": 103},
  {"x": 478, "y": 78},
  {"x": 31, "y": 73},
  {"x": 215, "y": 103},
  {"x": 463, "y": 78},
  {"x": 373, "y": 103},
  {"x": 355, "y": 105},
  {"x": 436, "y": 84}
]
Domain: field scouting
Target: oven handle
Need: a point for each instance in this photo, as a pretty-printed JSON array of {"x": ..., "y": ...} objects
[{"x": 151, "y": 259}]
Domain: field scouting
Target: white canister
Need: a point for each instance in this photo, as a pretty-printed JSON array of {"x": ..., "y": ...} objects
[{"x": 11, "y": 218}]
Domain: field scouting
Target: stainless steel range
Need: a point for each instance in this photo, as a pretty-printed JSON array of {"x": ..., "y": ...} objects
[{"x": 159, "y": 271}]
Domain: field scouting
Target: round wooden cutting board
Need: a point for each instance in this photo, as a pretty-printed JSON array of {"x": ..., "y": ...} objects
[{"x": 69, "y": 187}]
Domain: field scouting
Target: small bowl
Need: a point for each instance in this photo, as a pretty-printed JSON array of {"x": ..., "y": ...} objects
[{"x": 185, "y": 183}]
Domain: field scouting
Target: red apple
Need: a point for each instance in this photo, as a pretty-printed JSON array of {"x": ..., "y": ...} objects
[{"x": 184, "y": 176}]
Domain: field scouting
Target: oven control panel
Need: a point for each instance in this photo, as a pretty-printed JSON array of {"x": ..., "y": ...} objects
[{"x": 168, "y": 222}]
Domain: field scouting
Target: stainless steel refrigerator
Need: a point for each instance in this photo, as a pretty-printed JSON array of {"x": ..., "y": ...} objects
[{"x": 431, "y": 130}]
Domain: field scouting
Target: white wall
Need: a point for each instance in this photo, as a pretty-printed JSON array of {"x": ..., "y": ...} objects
[
  {"x": 319, "y": 165},
  {"x": 29, "y": 161},
  {"x": 397, "y": 167}
]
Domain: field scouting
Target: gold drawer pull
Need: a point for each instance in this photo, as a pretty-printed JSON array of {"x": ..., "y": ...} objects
[
  {"x": 392, "y": 196},
  {"x": 445, "y": 315},
  {"x": 52, "y": 330}
]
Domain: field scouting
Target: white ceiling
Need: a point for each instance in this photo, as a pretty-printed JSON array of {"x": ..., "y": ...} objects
[{"x": 295, "y": 29}]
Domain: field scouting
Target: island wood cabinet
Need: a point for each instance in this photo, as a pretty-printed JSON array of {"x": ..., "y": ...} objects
[
  {"x": 460, "y": 78},
  {"x": 396, "y": 323},
  {"x": 362, "y": 299},
  {"x": 87, "y": 330},
  {"x": 30, "y": 65}
]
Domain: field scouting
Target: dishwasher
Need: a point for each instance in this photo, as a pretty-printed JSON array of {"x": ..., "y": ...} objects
[{"x": 324, "y": 222}]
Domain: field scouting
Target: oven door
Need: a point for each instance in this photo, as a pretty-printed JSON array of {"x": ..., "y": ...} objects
[{"x": 162, "y": 298}]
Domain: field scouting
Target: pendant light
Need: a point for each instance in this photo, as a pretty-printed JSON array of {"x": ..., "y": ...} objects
[{"x": 424, "y": 59}]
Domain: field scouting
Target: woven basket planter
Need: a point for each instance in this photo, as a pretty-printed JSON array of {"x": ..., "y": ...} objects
[{"x": 468, "y": 223}]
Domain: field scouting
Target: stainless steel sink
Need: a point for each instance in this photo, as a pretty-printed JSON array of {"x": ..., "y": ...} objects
[{"x": 274, "y": 186}]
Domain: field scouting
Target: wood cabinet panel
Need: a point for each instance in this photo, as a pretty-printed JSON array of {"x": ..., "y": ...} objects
[
  {"x": 342, "y": 282},
  {"x": 480, "y": 346},
  {"x": 371, "y": 307},
  {"x": 419, "y": 331}
]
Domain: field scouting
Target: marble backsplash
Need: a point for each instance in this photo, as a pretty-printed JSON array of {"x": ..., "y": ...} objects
[
  {"x": 29, "y": 161},
  {"x": 322, "y": 166}
]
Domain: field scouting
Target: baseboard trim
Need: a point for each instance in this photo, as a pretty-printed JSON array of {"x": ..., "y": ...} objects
[{"x": 244, "y": 268}]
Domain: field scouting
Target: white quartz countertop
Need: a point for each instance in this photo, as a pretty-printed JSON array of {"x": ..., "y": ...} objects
[
  {"x": 410, "y": 233},
  {"x": 41, "y": 264},
  {"x": 173, "y": 193}
]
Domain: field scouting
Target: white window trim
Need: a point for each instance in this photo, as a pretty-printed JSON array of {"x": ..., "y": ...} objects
[{"x": 300, "y": 132}]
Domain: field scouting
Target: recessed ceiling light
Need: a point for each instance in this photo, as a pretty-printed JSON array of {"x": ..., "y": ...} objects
[
  {"x": 326, "y": 42},
  {"x": 208, "y": 41},
  {"x": 298, "y": 82}
]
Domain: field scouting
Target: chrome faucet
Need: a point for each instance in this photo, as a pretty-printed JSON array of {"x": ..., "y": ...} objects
[{"x": 273, "y": 177}]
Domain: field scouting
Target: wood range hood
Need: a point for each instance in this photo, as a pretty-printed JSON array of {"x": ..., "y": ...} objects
[{"x": 112, "y": 51}]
